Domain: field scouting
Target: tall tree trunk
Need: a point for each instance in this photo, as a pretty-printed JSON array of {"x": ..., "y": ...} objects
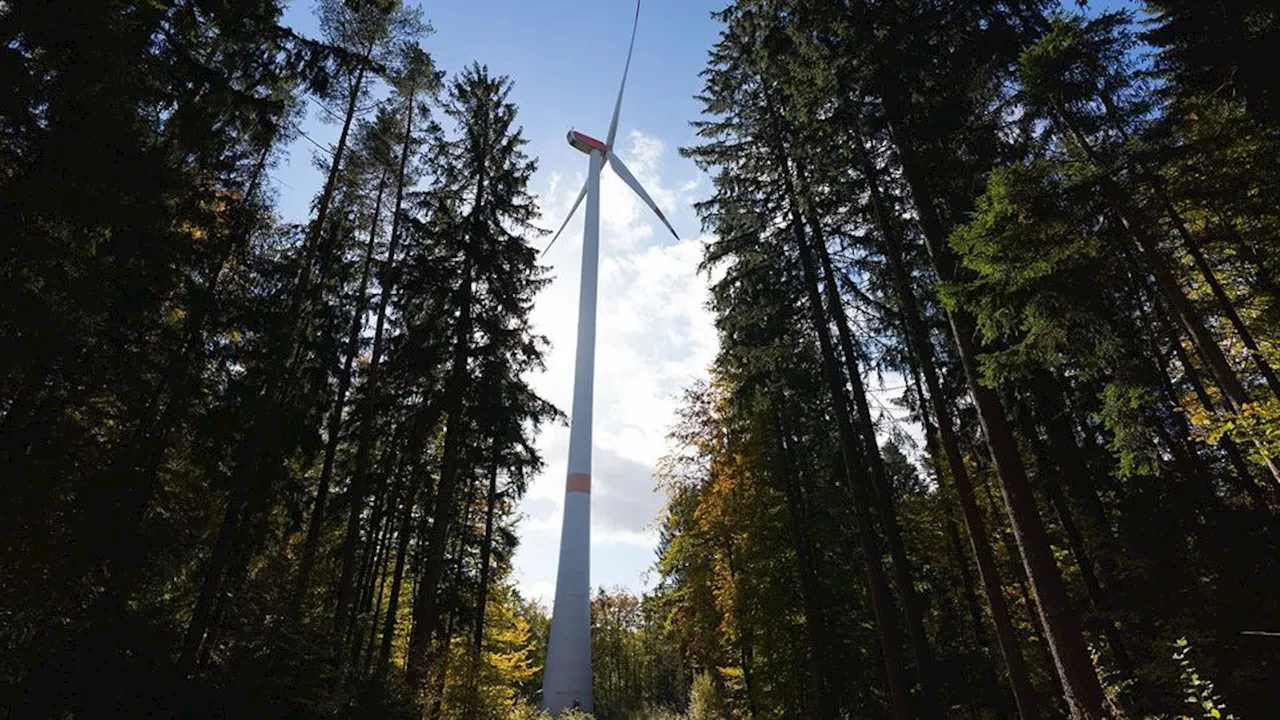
[
  {"x": 152, "y": 438},
  {"x": 442, "y": 673},
  {"x": 1140, "y": 231},
  {"x": 372, "y": 568},
  {"x": 1244, "y": 480},
  {"x": 885, "y": 502},
  {"x": 1224, "y": 301},
  {"x": 366, "y": 656},
  {"x": 1192, "y": 246},
  {"x": 1264, "y": 278},
  {"x": 333, "y": 427},
  {"x": 1244, "y": 476},
  {"x": 445, "y": 638},
  {"x": 882, "y": 600},
  {"x": 482, "y": 587},
  {"x": 426, "y": 609},
  {"x": 312, "y": 243},
  {"x": 374, "y": 595},
  {"x": 364, "y": 445},
  {"x": 815, "y": 618},
  {"x": 406, "y": 532},
  {"x": 954, "y": 544},
  {"x": 379, "y": 527},
  {"x": 203, "y": 613},
  {"x": 1052, "y": 480},
  {"x": 941, "y": 464},
  {"x": 923, "y": 351},
  {"x": 1197, "y": 498},
  {"x": 145, "y": 456},
  {"x": 746, "y": 637},
  {"x": 265, "y": 405},
  {"x": 1062, "y": 628},
  {"x": 425, "y": 420},
  {"x": 486, "y": 549},
  {"x": 1049, "y": 407}
]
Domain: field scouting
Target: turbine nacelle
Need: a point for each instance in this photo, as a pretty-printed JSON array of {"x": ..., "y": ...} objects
[{"x": 586, "y": 143}]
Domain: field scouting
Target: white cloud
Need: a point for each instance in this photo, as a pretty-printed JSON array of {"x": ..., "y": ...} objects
[
  {"x": 541, "y": 591},
  {"x": 654, "y": 337}
]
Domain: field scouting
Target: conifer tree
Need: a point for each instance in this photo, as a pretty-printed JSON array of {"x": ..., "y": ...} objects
[{"x": 488, "y": 216}]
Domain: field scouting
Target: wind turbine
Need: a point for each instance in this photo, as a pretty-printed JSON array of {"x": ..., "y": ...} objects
[{"x": 566, "y": 681}]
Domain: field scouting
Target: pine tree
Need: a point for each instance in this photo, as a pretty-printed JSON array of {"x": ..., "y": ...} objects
[{"x": 483, "y": 179}]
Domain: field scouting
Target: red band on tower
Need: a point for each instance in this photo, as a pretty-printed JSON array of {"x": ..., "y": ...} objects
[{"x": 578, "y": 482}]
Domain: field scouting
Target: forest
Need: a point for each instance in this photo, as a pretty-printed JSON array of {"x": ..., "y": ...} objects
[{"x": 993, "y": 430}]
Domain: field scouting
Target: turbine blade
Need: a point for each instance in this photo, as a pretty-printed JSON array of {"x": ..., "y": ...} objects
[
  {"x": 616, "y": 163},
  {"x": 617, "y": 107},
  {"x": 567, "y": 218}
]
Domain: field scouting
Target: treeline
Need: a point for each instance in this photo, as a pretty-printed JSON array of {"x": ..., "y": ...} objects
[
  {"x": 1054, "y": 238},
  {"x": 254, "y": 468},
  {"x": 636, "y": 670}
]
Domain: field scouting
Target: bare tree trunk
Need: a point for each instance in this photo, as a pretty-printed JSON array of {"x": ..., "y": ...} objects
[
  {"x": 406, "y": 532},
  {"x": 746, "y": 641},
  {"x": 330, "y": 184},
  {"x": 1062, "y": 629},
  {"x": 1052, "y": 482},
  {"x": 426, "y": 609},
  {"x": 815, "y": 619},
  {"x": 882, "y": 601},
  {"x": 364, "y": 446},
  {"x": 372, "y": 577},
  {"x": 486, "y": 549},
  {"x": 885, "y": 502},
  {"x": 334, "y": 425},
  {"x": 446, "y": 636},
  {"x": 941, "y": 461},
  {"x": 1049, "y": 408},
  {"x": 366, "y": 569},
  {"x": 482, "y": 588},
  {"x": 923, "y": 351},
  {"x": 203, "y": 613},
  {"x": 265, "y": 404},
  {"x": 362, "y": 650}
]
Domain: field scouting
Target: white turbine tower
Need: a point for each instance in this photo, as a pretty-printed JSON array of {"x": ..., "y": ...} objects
[{"x": 566, "y": 681}]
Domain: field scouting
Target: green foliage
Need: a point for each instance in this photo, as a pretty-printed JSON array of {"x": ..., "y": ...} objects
[
  {"x": 704, "y": 700},
  {"x": 217, "y": 423},
  {"x": 635, "y": 667},
  {"x": 1036, "y": 272},
  {"x": 259, "y": 469},
  {"x": 1218, "y": 50},
  {"x": 1133, "y": 442},
  {"x": 1199, "y": 690},
  {"x": 1088, "y": 200},
  {"x": 1257, "y": 425}
]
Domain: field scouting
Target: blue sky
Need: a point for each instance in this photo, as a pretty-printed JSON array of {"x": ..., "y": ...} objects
[
  {"x": 565, "y": 57},
  {"x": 655, "y": 336}
]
